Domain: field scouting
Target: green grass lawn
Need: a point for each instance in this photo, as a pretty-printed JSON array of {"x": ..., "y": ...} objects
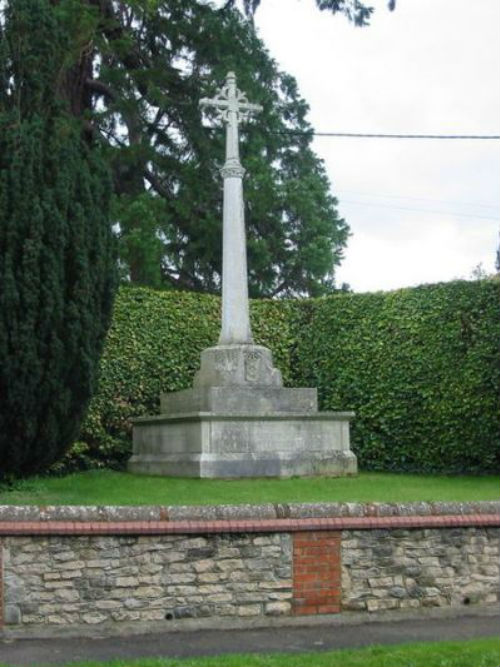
[
  {"x": 106, "y": 487},
  {"x": 471, "y": 653}
]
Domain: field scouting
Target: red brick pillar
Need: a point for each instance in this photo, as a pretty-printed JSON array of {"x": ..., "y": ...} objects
[{"x": 316, "y": 572}]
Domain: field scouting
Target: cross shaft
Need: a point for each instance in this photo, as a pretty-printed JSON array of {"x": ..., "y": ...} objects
[{"x": 232, "y": 107}]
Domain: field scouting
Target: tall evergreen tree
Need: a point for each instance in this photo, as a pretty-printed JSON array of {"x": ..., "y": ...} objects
[
  {"x": 57, "y": 263},
  {"x": 137, "y": 85},
  {"x": 154, "y": 62}
]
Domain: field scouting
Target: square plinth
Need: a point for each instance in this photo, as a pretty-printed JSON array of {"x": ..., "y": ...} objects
[
  {"x": 221, "y": 445},
  {"x": 240, "y": 400}
]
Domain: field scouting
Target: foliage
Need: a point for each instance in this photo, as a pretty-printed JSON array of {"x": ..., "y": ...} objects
[
  {"x": 356, "y": 11},
  {"x": 150, "y": 64},
  {"x": 107, "y": 487},
  {"x": 153, "y": 346},
  {"x": 56, "y": 260},
  {"x": 419, "y": 366}
]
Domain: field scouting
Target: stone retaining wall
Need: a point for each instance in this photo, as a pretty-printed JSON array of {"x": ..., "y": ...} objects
[
  {"x": 90, "y": 580},
  {"x": 399, "y": 569},
  {"x": 101, "y": 567}
]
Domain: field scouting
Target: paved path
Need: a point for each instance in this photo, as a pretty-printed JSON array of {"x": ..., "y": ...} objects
[{"x": 212, "y": 642}]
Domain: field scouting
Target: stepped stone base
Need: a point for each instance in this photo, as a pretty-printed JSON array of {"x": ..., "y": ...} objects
[
  {"x": 240, "y": 400},
  {"x": 239, "y": 421},
  {"x": 225, "y": 432}
]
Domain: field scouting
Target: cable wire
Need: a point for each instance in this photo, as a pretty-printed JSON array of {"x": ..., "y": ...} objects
[
  {"x": 366, "y": 135},
  {"x": 418, "y": 210},
  {"x": 340, "y": 193}
]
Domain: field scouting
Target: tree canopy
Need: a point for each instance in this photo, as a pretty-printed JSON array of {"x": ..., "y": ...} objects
[
  {"x": 356, "y": 11},
  {"x": 142, "y": 66},
  {"x": 149, "y": 65}
]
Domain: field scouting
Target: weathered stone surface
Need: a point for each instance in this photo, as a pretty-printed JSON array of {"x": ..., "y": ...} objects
[
  {"x": 410, "y": 568},
  {"x": 238, "y": 421},
  {"x": 86, "y": 580},
  {"x": 195, "y": 576},
  {"x": 247, "y": 445},
  {"x": 277, "y": 608},
  {"x": 237, "y": 366},
  {"x": 248, "y": 511},
  {"x": 235, "y": 308},
  {"x": 240, "y": 399},
  {"x": 12, "y": 614},
  {"x": 19, "y": 513},
  {"x": 92, "y": 618}
]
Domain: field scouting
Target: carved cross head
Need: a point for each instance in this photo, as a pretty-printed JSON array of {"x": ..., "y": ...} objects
[{"x": 228, "y": 100}]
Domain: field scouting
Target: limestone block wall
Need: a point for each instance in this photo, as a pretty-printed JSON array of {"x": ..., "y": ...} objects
[
  {"x": 83, "y": 579},
  {"x": 88, "y": 567},
  {"x": 400, "y": 569}
]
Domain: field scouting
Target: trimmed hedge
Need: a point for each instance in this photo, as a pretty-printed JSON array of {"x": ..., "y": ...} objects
[
  {"x": 420, "y": 366},
  {"x": 154, "y": 346}
]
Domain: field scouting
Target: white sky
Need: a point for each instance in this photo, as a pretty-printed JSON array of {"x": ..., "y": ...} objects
[{"x": 429, "y": 67}]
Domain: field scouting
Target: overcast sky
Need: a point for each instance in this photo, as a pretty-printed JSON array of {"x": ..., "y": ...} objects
[{"x": 419, "y": 210}]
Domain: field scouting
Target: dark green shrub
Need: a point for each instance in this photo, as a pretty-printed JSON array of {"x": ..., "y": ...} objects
[{"x": 57, "y": 263}]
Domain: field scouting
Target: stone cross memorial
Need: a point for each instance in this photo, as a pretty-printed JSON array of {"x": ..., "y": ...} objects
[
  {"x": 233, "y": 107},
  {"x": 238, "y": 420}
]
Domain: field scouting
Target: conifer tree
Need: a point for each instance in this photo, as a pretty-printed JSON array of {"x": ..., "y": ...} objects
[
  {"x": 155, "y": 61},
  {"x": 57, "y": 262}
]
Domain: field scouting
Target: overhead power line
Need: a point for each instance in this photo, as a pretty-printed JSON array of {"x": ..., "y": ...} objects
[
  {"x": 379, "y": 195},
  {"x": 366, "y": 135},
  {"x": 418, "y": 210}
]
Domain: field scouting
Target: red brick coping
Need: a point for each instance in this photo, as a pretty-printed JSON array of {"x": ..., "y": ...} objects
[
  {"x": 166, "y": 527},
  {"x": 316, "y": 540}
]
